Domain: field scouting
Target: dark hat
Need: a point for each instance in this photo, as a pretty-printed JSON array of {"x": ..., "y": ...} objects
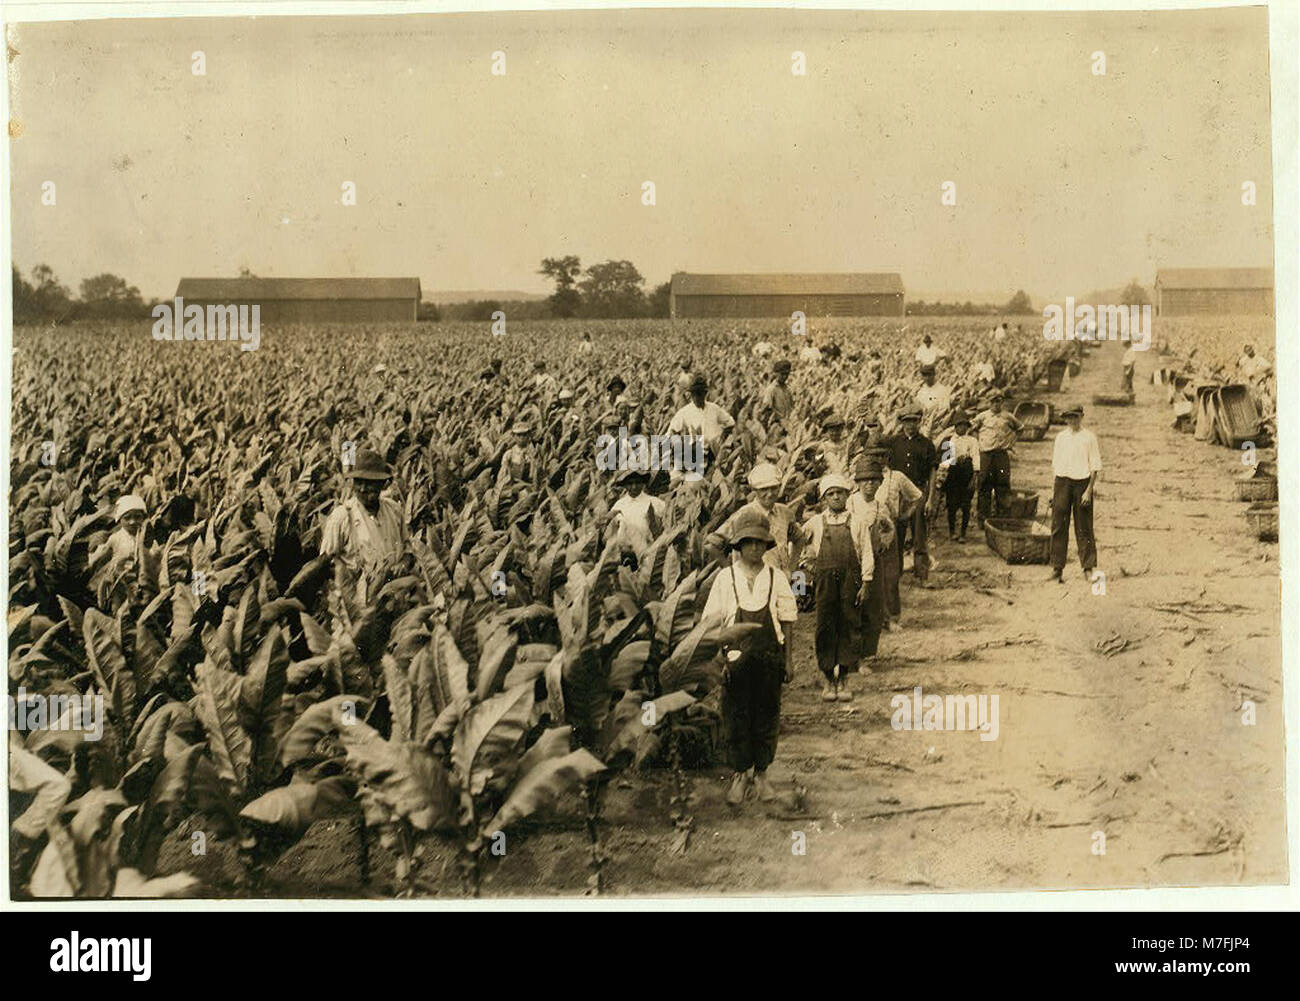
[
  {"x": 630, "y": 474},
  {"x": 616, "y": 382},
  {"x": 867, "y": 467},
  {"x": 912, "y": 413},
  {"x": 878, "y": 452},
  {"x": 751, "y": 525},
  {"x": 783, "y": 365},
  {"x": 699, "y": 382},
  {"x": 960, "y": 417},
  {"x": 370, "y": 465},
  {"x": 1073, "y": 410}
]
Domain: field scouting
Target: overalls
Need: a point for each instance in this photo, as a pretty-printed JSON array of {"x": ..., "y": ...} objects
[
  {"x": 751, "y": 699},
  {"x": 838, "y": 577}
]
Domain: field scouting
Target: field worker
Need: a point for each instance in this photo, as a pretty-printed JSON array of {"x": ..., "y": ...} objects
[
  {"x": 958, "y": 455},
  {"x": 684, "y": 378},
  {"x": 366, "y": 528},
  {"x": 914, "y": 455},
  {"x": 843, "y": 561},
  {"x": 543, "y": 381},
  {"x": 128, "y": 514},
  {"x": 898, "y": 498},
  {"x": 614, "y": 391},
  {"x": 995, "y": 428},
  {"x": 810, "y": 353},
  {"x": 776, "y": 397},
  {"x": 637, "y": 517},
  {"x": 763, "y": 349},
  {"x": 983, "y": 373},
  {"x": 765, "y": 481},
  {"x": 585, "y": 347},
  {"x": 703, "y": 421},
  {"x": 750, "y": 590},
  {"x": 516, "y": 466},
  {"x": 867, "y": 510},
  {"x": 1129, "y": 363},
  {"x": 934, "y": 399},
  {"x": 927, "y": 354},
  {"x": 834, "y": 450},
  {"x": 1076, "y": 461},
  {"x": 1250, "y": 365}
]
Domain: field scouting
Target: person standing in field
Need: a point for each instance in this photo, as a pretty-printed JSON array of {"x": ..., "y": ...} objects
[
  {"x": 843, "y": 560},
  {"x": 866, "y": 509},
  {"x": 834, "y": 451},
  {"x": 1129, "y": 363},
  {"x": 958, "y": 454},
  {"x": 1076, "y": 461},
  {"x": 898, "y": 499},
  {"x": 516, "y": 466},
  {"x": 684, "y": 379},
  {"x": 913, "y": 455},
  {"x": 927, "y": 355},
  {"x": 752, "y": 591},
  {"x": 996, "y": 429},
  {"x": 765, "y": 481},
  {"x": 934, "y": 399},
  {"x": 367, "y": 529},
  {"x": 706, "y": 424},
  {"x": 129, "y": 514},
  {"x": 776, "y": 397},
  {"x": 637, "y": 518}
]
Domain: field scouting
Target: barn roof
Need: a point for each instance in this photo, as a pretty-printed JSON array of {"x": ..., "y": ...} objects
[
  {"x": 1214, "y": 278},
  {"x": 269, "y": 289},
  {"x": 787, "y": 284}
]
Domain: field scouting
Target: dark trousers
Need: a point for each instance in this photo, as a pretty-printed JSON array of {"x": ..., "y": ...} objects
[
  {"x": 751, "y": 709},
  {"x": 1066, "y": 497},
  {"x": 918, "y": 525},
  {"x": 837, "y": 620},
  {"x": 957, "y": 495},
  {"x": 888, "y": 569},
  {"x": 995, "y": 482},
  {"x": 873, "y": 611}
]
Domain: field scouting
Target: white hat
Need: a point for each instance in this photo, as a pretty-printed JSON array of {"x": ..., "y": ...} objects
[
  {"x": 764, "y": 475},
  {"x": 127, "y": 503},
  {"x": 833, "y": 481}
]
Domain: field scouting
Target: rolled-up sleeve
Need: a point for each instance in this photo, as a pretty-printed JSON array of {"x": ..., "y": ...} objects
[
  {"x": 720, "y": 601},
  {"x": 1094, "y": 454},
  {"x": 786, "y": 608}
]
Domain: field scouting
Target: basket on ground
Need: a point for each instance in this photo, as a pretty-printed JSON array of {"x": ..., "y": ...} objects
[
  {"x": 1036, "y": 417},
  {"x": 1257, "y": 488},
  {"x": 1020, "y": 505},
  {"x": 1262, "y": 516},
  {"x": 1018, "y": 540}
]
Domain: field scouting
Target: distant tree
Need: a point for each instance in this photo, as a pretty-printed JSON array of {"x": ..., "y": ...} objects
[
  {"x": 428, "y": 312},
  {"x": 481, "y": 309},
  {"x": 1019, "y": 304},
  {"x": 24, "y": 299},
  {"x": 51, "y": 301},
  {"x": 1134, "y": 295},
  {"x": 565, "y": 300},
  {"x": 107, "y": 295},
  {"x": 659, "y": 302},
  {"x": 612, "y": 289}
]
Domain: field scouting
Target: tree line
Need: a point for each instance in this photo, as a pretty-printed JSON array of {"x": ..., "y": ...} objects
[{"x": 45, "y": 299}]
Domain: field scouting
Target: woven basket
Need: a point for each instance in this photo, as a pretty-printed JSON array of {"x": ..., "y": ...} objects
[
  {"x": 1015, "y": 541},
  {"x": 1036, "y": 418},
  {"x": 1259, "y": 488},
  {"x": 1020, "y": 505},
  {"x": 1263, "y": 520}
]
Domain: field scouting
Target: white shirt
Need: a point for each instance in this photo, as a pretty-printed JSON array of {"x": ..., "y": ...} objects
[
  {"x": 1076, "y": 454},
  {"x": 777, "y": 597},
  {"x": 1130, "y": 358},
  {"x": 762, "y": 349},
  {"x": 810, "y": 353},
  {"x": 707, "y": 422},
  {"x": 358, "y": 538},
  {"x": 928, "y": 354},
  {"x": 958, "y": 447},
  {"x": 634, "y": 521},
  {"x": 983, "y": 370}
]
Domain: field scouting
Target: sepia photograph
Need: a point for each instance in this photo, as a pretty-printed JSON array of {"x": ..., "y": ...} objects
[{"x": 643, "y": 453}]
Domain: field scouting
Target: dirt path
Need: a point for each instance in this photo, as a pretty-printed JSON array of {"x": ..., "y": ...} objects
[{"x": 1146, "y": 746}]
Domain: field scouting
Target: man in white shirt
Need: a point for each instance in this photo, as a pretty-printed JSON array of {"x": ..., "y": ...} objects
[
  {"x": 637, "y": 516},
  {"x": 933, "y": 398},
  {"x": 1076, "y": 461},
  {"x": 1129, "y": 363},
  {"x": 705, "y": 422},
  {"x": 366, "y": 532},
  {"x": 927, "y": 353}
]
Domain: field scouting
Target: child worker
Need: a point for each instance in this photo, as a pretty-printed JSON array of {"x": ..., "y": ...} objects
[
  {"x": 959, "y": 454},
  {"x": 750, "y": 590},
  {"x": 840, "y": 553},
  {"x": 867, "y": 509}
]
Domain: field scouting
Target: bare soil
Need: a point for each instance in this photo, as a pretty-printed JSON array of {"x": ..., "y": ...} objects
[{"x": 1143, "y": 741}]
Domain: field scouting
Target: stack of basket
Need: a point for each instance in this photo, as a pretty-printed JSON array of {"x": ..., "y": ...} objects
[
  {"x": 1259, "y": 486},
  {"x": 1019, "y": 540},
  {"x": 1036, "y": 418}
]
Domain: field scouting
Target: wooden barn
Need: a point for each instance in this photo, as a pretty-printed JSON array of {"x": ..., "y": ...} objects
[
  {"x": 1214, "y": 291},
  {"x": 781, "y": 294},
  {"x": 311, "y": 300}
]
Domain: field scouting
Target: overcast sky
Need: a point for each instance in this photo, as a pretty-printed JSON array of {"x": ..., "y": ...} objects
[{"x": 1065, "y": 181}]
